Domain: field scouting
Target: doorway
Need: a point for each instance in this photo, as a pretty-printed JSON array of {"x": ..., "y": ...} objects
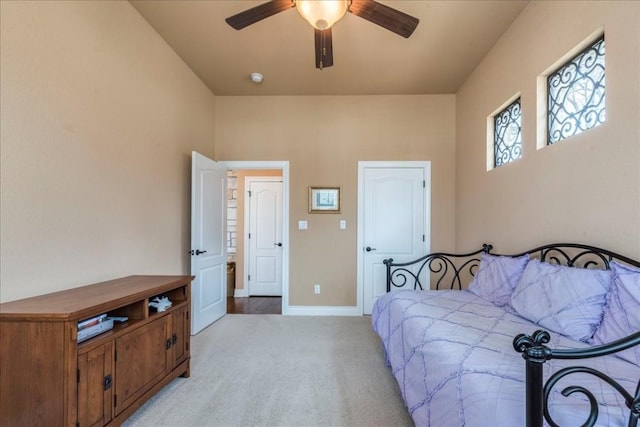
[
  {"x": 239, "y": 219},
  {"x": 254, "y": 305}
]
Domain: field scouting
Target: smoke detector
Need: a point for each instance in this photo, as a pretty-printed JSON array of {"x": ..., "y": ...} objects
[{"x": 256, "y": 77}]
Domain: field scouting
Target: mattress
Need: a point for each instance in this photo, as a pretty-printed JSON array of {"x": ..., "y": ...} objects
[{"x": 452, "y": 355}]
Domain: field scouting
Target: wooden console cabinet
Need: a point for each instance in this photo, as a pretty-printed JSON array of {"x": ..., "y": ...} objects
[{"x": 47, "y": 378}]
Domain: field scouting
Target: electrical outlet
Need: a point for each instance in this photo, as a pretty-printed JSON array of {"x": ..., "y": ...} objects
[{"x": 316, "y": 289}]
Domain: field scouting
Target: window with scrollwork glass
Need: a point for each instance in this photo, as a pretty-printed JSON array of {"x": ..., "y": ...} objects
[
  {"x": 576, "y": 94},
  {"x": 507, "y": 134}
]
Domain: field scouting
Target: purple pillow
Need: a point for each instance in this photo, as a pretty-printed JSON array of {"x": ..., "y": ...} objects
[
  {"x": 497, "y": 276},
  {"x": 622, "y": 315},
  {"x": 566, "y": 300}
]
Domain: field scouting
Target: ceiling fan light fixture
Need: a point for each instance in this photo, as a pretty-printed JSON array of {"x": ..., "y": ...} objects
[{"x": 322, "y": 14}]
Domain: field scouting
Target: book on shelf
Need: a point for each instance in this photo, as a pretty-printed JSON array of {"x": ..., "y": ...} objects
[
  {"x": 92, "y": 321},
  {"x": 104, "y": 325}
]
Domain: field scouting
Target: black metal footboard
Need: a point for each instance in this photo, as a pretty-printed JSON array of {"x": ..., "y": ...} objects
[
  {"x": 536, "y": 353},
  {"x": 439, "y": 268}
]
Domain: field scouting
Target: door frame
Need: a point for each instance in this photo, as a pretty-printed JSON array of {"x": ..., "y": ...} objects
[
  {"x": 247, "y": 220},
  {"x": 282, "y": 165},
  {"x": 362, "y": 165}
]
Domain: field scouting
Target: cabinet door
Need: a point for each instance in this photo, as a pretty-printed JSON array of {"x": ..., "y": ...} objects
[
  {"x": 143, "y": 357},
  {"x": 180, "y": 336},
  {"x": 95, "y": 391}
]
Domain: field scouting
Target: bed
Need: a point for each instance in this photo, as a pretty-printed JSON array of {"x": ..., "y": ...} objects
[{"x": 550, "y": 336}]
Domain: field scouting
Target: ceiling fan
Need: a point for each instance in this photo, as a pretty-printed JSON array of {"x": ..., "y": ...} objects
[{"x": 322, "y": 14}]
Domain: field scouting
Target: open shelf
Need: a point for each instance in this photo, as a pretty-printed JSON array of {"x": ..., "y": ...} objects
[{"x": 176, "y": 296}]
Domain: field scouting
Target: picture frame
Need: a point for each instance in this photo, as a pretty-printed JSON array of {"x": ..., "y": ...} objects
[{"x": 324, "y": 200}]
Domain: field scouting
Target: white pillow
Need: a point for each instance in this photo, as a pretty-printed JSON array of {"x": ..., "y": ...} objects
[
  {"x": 566, "y": 300},
  {"x": 497, "y": 276}
]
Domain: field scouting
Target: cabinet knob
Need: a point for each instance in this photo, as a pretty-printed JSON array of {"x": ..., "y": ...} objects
[{"x": 168, "y": 345}]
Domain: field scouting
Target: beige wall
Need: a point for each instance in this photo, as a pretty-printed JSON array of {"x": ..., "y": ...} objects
[
  {"x": 99, "y": 117},
  {"x": 584, "y": 189},
  {"x": 242, "y": 174},
  {"x": 97, "y": 126},
  {"x": 323, "y": 138}
]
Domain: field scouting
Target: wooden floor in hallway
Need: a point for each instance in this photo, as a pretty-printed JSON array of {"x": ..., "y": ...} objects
[{"x": 254, "y": 305}]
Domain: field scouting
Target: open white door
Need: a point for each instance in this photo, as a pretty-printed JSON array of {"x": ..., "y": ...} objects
[{"x": 208, "y": 243}]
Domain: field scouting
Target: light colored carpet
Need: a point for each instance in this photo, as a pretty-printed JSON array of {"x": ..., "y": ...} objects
[{"x": 271, "y": 370}]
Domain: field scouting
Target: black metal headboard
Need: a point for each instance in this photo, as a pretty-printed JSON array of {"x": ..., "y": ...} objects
[
  {"x": 453, "y": 271},
  {"x": 577, "y": 255},
  {"x": 438, "y": 267}
]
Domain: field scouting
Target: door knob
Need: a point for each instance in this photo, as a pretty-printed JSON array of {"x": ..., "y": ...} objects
[
  {"x": 198, "y": 252},
  {"x": 278, "y": 244},
  {"x": 369, "y": 249}
]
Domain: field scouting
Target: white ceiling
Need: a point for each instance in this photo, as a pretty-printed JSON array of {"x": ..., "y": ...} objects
[{"x": 451, "y": 39}]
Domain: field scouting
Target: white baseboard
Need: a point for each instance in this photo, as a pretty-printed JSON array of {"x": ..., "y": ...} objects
[
  {"x": 310, "y": 310},
  {"x": 307, "y": 310},
  {"x": 240, "y": 293}
]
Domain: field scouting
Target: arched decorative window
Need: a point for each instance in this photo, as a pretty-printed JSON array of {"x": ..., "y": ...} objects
[
  {"x": 576, "y": 94},
  {"x": 507, "y": 135}
]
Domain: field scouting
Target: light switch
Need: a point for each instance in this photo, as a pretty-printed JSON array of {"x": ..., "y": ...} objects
[
  {"x": 302, "y": 225},
  {"x": 343, "y": 224}
]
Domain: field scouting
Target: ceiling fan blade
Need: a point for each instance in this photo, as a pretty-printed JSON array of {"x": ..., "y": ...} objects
[
  {"x": 258, "y": 13},
  {"x": 324, "y": 48},
  {"x": 385, "y": 16}
]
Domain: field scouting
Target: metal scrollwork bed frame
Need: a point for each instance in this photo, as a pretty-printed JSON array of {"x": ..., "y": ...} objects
[
  {"x": 536, "y": 353},
  {"x": 442, "y": 267}
]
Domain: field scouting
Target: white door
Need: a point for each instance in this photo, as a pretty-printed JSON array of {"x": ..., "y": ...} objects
[
  {"x": 264, "y": 236},
  {"x": 208, "y": 243},
  {"x": 393, "y": 220}
]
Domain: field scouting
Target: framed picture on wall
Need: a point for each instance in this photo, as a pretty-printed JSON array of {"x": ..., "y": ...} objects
[{"x": 324, "y": 199}]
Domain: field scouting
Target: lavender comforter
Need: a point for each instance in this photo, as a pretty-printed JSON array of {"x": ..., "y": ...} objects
[{"x": 452, "y": 356}]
